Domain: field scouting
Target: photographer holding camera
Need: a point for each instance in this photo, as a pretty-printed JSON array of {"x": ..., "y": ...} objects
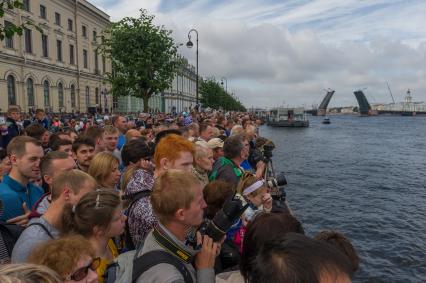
[{"x": 177, "y": 200}]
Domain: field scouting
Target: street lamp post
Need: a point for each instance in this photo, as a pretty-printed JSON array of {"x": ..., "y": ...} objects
[
  {"x": 226, "y": 83},
  {"x": 189, "y": 44}
]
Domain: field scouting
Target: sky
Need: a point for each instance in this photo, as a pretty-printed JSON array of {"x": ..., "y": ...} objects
[{"x": 288, "y": 52}]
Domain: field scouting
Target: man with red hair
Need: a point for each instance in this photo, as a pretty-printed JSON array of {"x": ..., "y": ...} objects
[{"x": 173, "y": 152}]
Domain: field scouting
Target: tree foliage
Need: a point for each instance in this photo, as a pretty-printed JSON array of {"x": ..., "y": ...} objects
[
  {"x": 214, "y": 96},
  {"x": 8, "y": 31},
  {"x": 143, "y": 57}
]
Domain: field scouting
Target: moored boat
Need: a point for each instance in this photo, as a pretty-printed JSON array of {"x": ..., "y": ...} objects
[{"x": 288, "y": 117}]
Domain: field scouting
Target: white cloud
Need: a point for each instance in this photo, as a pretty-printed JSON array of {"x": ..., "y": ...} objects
[{"x": 291, "y": 51}]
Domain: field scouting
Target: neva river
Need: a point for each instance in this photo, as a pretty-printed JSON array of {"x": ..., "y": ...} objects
[{"x": 365, "y": 177}]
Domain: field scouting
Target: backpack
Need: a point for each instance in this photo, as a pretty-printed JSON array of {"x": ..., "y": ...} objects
[
  {"x": 133, "y": 199},
  {"x": 10, "y": 234},
  {"x": 127, "y": 267}
]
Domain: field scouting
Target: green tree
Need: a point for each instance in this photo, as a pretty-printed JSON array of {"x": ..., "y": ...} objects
[
  {"x": 143, "y": 57},
  {"x": 214, "y": 96},
  {"x": 7, "y": 31}
]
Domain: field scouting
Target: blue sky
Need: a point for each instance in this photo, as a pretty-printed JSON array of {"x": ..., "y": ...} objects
[{"x": 286, "y": 52}]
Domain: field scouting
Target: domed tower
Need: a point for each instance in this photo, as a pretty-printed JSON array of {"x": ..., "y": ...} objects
[{"x": 408, "y": 98}]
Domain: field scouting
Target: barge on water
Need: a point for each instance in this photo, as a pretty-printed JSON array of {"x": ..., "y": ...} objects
[{"x": 288, "y": 117}]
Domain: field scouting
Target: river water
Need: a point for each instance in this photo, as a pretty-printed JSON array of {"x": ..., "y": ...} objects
[{"x": 364, "y": 177}]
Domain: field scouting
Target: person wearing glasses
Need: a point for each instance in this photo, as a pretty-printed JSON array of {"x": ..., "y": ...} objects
[
  {"x": 71, "y": 257},
  {"x": 98, "y": 217}
]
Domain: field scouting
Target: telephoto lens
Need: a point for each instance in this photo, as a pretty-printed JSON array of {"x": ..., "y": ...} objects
[{"x": 232, "y": 209}]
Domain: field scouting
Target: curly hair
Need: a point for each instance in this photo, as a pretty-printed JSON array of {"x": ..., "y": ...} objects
[
  {"x": 28, "y": 273},
  {"x": 63, "y": 254}
]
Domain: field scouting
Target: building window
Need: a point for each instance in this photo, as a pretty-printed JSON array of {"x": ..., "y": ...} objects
[
  {"x": 44, "y": 45},
  {"x": 46, "y": 93},
  {"x": 57, "y": 18},
  {"x": 87, "y": 96},
  {"x": 97, "y": 96},
  {"x": 85, "y": 58},
  {"x": 103, "y": 65},
  {"x": 43, "y": 12},
  {"x": 59, "y": 50},
  {"x": 114, "y": 101},
  {"x": 72, "y": 96},
  {"x": 8, "y": 40},
  {"x": 30, "y": 92},
  {"x": 70, "y": 25},
  {"x": 96, "y": 61},
  {"x": 60, "y": 95},
  {"x": 84, "y": 31},
  {"x": 71, "y": 54},
  {"x": 28, "y": 41},
  {"x": 26, "y": 5},
  {"x": 11, "y": 93}
]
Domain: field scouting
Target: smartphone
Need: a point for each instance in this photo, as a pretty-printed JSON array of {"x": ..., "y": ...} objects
[{"x": 2, "y": 120}]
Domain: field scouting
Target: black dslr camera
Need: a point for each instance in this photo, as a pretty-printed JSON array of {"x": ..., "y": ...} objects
[{"x": 216, "y": 228}]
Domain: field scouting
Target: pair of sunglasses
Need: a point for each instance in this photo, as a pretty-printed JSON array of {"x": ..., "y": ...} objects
[{"x": 81, "y": 273}]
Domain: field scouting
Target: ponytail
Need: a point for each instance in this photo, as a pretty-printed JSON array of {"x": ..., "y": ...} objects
[
  {"x": 94, "y": 209},
  {"x": 68, "y": 224}
]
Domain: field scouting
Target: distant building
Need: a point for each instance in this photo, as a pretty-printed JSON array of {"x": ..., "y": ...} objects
[
  {"x": 181, "y": 96},
  {"x": 60, "y": 69}
]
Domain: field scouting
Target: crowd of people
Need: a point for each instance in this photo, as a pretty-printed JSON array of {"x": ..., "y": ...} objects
[{"x": 115, "y": 198}]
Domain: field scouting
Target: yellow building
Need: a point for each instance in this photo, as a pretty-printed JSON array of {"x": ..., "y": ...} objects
[{"x": 58, "y": 70}]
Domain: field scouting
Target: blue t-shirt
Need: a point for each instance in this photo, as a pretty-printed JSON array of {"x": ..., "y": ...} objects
[
  {"x": 121, "y": 141},
  {"x": 246, "y": 166},
  {"x": 13, "y": 194}
]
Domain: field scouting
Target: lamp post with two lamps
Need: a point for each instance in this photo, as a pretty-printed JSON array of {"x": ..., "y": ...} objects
[{"x": 189, "y": 44}]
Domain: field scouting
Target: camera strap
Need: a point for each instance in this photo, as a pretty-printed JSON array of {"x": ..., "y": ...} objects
[{"x": 170, "y": 246}]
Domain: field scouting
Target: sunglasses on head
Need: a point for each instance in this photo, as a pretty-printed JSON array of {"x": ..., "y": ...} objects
[{"x": 81, "y": 273}]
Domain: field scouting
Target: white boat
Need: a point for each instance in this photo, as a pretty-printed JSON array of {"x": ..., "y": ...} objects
[{"x": 288, "y": 117}]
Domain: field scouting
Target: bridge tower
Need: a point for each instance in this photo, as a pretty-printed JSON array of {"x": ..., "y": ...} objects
[
  {"x": 364, "y": 105},
  {"x": 322, "y": 109}
]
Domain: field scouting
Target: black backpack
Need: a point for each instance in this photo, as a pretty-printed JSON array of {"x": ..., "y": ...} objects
[
  {"x": 150, "y": 259},
  {"x": 127, "y": 267},
  {"x": 9, "y": 233}
]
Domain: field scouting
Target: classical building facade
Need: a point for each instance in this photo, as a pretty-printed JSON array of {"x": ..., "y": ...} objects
[
  {"x": 180, "y": 96},
  {"x": 59, "y": 69}
]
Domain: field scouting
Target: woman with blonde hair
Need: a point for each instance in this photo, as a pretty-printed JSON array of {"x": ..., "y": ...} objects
[
  {"x": 104, "y": 167},
  {"x": 99, "y": 218},
  {"x": 28, "y": 273},
  {"x": 255, "y": 192},
  {"x": 71, "y": 257}
]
